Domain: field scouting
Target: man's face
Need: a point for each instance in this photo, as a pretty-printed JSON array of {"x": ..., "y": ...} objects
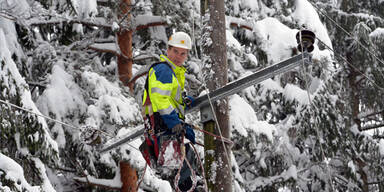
[{"x": 177, "y": 55}]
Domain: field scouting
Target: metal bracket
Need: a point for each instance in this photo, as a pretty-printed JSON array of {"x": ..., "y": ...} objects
[{"x": 206, "y": 114}]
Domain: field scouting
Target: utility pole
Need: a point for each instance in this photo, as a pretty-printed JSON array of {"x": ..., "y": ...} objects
[{"x": 217, "y": 154}]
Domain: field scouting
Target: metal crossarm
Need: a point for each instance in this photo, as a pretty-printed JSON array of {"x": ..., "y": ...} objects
[
  {"x": 253, "y": 79},
  {"x": 130, "y": 137}
]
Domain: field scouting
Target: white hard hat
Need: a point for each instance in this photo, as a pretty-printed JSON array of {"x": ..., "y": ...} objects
[{"x": 181, "y": 40}]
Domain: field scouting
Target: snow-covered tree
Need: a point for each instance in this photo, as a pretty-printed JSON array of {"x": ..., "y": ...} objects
[{"x": 304, "y": 130}]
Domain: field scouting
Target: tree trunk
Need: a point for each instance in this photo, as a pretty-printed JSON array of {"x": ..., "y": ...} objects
[
  {"x": 128, "y": 177},
  {"x": 355, "y": 101},
  {"x": 124, "y": 39},
  {"x": 217, "y": 158}
]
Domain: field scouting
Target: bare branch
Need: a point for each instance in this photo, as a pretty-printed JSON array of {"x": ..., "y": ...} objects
[
  {"x": 104, "y": 3},
  {"x": 233, "y": 24},
  {"x": 378, "y": 136},
  {"x": 7, "y": 16},
  {"x": 369, "y": 127},
  {"x": 369, "y": 114},
  {"x": 36, "y": 84},
  {"x": 237, "y": 22}
]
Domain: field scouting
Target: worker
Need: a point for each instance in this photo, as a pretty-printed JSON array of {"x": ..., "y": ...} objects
[{"x": 164, "y": 106}]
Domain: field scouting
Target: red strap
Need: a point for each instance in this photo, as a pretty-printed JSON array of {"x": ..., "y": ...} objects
[{"x": 156, "y": 145}]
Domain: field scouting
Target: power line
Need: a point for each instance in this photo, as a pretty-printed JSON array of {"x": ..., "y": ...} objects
[
  {"x": 345, "y": 31},
  {"x": 60, "y": 122},
  {"x": 46, "y": 117},
  {"x": 351, "y": 65}
]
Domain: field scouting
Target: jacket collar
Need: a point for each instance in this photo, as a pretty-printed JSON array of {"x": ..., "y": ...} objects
[{"x": 175, "y": 68}]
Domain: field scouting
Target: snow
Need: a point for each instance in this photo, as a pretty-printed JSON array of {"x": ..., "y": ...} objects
[
  {"x": 251, "y": 4},
  {"x": 231, "y": 41},
  {"x": 147, "y": 19},
  {"x": 121, "y": 109},
  {"x": 60, "y": 96},
  {"x": 98, "y": 100},
  {"x": 243, "y": 119},
  {"x": 377, "y": 33},
  {"x": 295, "y": 93},
  {"x": 271, "y": 31},
  {"x": 381, "y": 147},
  {"x": 10, "y": 71},
  {"x": 115, "y": 26},
  {"x": 113, "y": 183},
  {"x": 112, "y": 47},
  {"x": 352, "y": 166},
  {"x": 291, "y": 172},
  {"x": 46, "y": 186},
  {"x": 306, "y": 15},
  {"x": 9, "y": 31},
  {"x": 14, "y": 172},
  {"x": 85, "y": 8}
]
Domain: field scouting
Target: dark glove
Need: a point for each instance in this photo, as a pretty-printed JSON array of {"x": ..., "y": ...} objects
[
  {"x": 189, "y": 133},
  {"x": 178, "y": 129},
  {"x": 188, "y": 100}
]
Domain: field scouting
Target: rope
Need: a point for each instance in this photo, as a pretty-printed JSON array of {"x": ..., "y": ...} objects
[
  {"x": 218, "y": 127},
  {"x": 311, "y": 105},
  {"x": 202, "y": 167},
  {"x": 177, "y": 177},
  {"x": 46, "y": 117},
  {"x": 142, "y": 177},
  {"x": 211, "y": 134}
]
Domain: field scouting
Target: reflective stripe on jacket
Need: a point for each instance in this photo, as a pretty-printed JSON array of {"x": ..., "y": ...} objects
[{"x": 165, "y": 86}]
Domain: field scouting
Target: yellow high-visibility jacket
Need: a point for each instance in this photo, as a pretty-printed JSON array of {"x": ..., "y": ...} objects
[{"x": 165, "y": 86}]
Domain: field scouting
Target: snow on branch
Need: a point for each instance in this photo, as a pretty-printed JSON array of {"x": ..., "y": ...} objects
[
  {"x": 113, "y": 184},
  {"x": 105, "y": 48},
  {"x": 373, "y": 126},
  {"x": 291, "y": 172},
  {"x": 139, "y": 22},
  {"x": 112, "y": 48},
  {"x": 145, "y": 21},
  {"x": 7, "y": 15},
  {"x": 96, "y": 23},
  {"x": 369, "y": 114}
]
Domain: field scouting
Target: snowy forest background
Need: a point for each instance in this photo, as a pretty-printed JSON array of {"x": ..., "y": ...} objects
[{"x": 316, "y": 128}]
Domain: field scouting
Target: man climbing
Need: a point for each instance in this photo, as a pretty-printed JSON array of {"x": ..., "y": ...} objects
[{"x": 164, "y": 106}]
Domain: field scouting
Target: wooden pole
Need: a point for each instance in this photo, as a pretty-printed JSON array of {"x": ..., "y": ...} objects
[
  {"x": 217, "y": 154},
  {"x": 128, "y": 177}
]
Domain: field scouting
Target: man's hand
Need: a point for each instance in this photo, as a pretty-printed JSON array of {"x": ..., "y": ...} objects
[
  {"x": 187, "y": 129},
  {"x": 188, "y": 101},
  {"x": 178, "y": 129}
]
